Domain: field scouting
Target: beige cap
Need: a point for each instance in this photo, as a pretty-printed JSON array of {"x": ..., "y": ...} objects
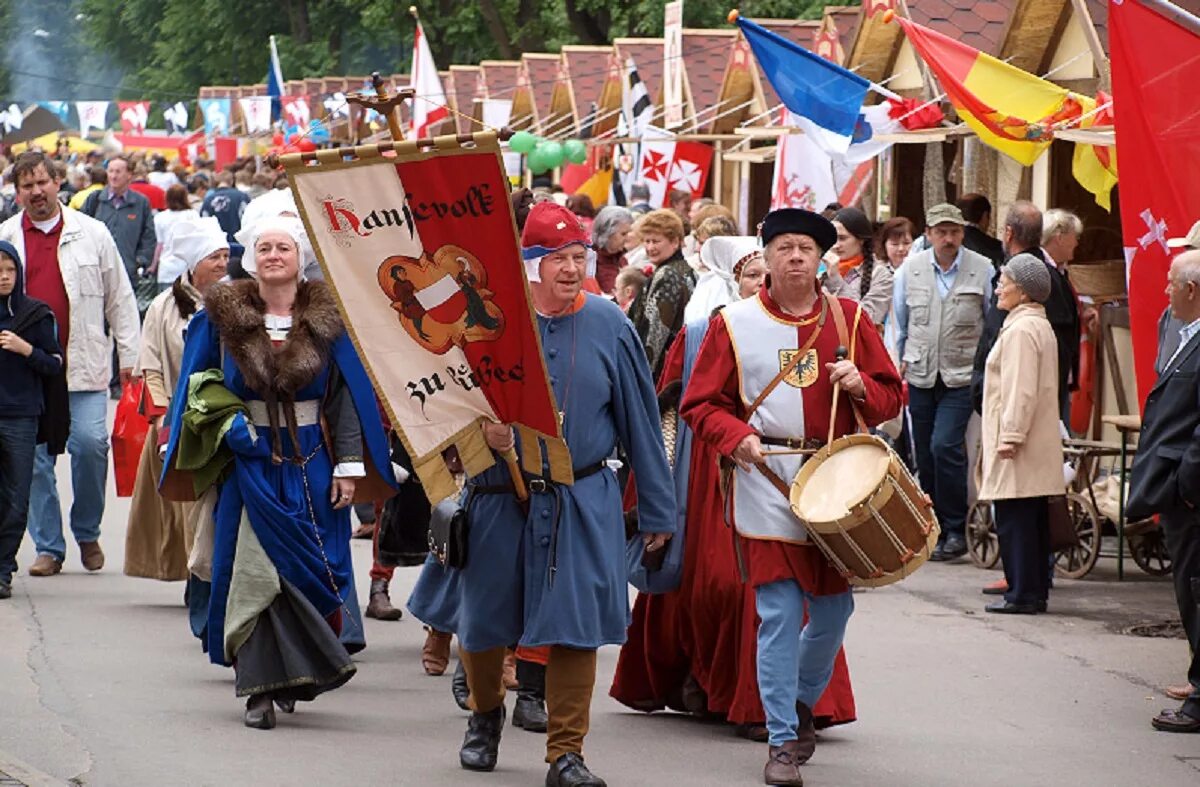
[
  {"x": 944, "y": 213},
  {"x": 1191, "y": 240}
]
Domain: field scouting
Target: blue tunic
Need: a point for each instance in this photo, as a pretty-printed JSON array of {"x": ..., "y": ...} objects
[
  {"x": 509, "y": 595},
  {"x": 314, "y": 560}
]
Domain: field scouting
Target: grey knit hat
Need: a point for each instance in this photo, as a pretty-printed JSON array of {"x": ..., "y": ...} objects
[{"x": 1030, "y": 274}]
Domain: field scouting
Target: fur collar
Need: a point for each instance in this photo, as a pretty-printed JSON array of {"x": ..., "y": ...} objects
[{"x": 236, "y": 309}]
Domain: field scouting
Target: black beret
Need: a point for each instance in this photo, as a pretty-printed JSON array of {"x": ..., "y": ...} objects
[{"x": 802, "y": 222}]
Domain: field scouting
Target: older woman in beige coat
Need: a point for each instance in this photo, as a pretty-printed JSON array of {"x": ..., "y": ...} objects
[
  {"x": 1022, "y": 446},
  {"x": 159, "y": 534}
]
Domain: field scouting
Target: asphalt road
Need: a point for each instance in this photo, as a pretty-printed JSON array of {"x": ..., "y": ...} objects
[{"x": 102, "y": 683}]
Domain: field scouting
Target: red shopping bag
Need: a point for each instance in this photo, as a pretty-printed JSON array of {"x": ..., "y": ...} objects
[{"x": 128, "y": 437}]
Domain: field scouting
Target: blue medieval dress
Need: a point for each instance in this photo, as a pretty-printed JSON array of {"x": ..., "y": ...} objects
[
  {"x": 282, "y": 580},
  {"x": 556, "y": 574}
]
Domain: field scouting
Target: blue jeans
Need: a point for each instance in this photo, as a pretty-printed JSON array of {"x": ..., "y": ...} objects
[
  {"x": 88, "y": 447},
  {"x": 795, "y": 659},
  {"x": 939, "y": 423},
  {"x": 18, "y": 438}
]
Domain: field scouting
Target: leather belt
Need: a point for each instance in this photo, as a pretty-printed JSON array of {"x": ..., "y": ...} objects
[
  {"x": 537, "y": 485},
  {"x": 308, "y": 412}
]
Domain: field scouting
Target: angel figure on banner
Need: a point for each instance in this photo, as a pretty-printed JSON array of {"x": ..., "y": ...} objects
[{"x": 442, "y": 301}]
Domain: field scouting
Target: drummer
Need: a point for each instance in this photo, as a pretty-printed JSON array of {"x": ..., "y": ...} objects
[{"x": 749, "y": 350}]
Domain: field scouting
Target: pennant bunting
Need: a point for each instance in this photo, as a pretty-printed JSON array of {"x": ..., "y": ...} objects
[
  {"x": 92, "y": 114},
  {"x": 216, "y": 115},
  {"x": 256, "y": 113},
  {"x": 176, "y": 118},
  {"x": 134, "y": 116}
]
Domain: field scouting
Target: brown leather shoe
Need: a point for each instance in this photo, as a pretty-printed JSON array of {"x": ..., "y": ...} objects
[
  {"x": 92, "y": 555},
  {"x": 435, "y": 655},
  {"x": 510, "y": 670},
  {"x": 1180, "y": 692},
  {"x": 45, "y": 566},
  {"x": 380, "y": 606},
  {"x": 782, "y": 767},
  {"x": 1171, "y": 720}
]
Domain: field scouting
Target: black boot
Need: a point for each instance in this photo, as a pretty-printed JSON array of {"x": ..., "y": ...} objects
[
  {"x": 569, "y": 771},
  {"x": 259, "y": 713},
  {"x": 530, "y": 710},
  {"x": 481, "y": 744},
  {"x": 458, "y": 686}
]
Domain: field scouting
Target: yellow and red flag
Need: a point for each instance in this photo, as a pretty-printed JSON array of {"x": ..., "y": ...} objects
[
  {"x": 1095, "y": 166},
  {"x": 1011, "y": 110}
]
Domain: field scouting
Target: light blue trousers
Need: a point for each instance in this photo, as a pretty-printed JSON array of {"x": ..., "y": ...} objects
[
  {"x": 88, "y": 447},
  {"x": 795, "y": 659}
]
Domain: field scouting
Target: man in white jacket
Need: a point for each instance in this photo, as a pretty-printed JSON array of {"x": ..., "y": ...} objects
[{"x": 72, "y": 263}]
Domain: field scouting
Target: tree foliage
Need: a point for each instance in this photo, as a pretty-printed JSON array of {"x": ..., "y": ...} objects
[{"x": 172, "y": 47}]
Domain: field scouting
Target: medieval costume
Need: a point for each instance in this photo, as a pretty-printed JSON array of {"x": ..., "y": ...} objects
[
  {"x": 160, "y": 531},
  {"x": 693, "y": 649},
  {"x": 553, "y": 570},
  {"x": 749, "y": 345},
  {"x": 255, "y": 390}
]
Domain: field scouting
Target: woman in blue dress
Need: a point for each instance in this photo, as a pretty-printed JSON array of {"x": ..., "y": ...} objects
[{"x": 306, "y": 445}]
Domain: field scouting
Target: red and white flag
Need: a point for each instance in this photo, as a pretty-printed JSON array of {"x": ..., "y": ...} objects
[
  {"x": 666, "y": 164},
  {"x": 192, "y": 147},
  {"x": 1160, "y": 157},
  {"x": 296, "y": 113},
  {"x": 429, "y": 101},
  {"x": 134, "y": 115}
]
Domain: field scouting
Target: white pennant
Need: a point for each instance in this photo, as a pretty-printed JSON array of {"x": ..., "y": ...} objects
[{"x": 12, "y": 118}]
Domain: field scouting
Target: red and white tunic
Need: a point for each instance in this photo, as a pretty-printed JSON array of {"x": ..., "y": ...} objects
[{"x": 747, "y": 345}]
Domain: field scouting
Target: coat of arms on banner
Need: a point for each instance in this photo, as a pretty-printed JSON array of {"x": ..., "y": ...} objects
[
  {"x": 802, "y": 374},
  {"x": 422, "y": 253}
]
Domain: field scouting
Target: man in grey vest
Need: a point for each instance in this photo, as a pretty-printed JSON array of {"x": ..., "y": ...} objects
[{"x": 940, "y": 298}]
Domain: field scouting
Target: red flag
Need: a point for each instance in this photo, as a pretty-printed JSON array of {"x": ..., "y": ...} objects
[
  {"x": 134, "y": 115},
  {"x": 1159, "y": 152}
]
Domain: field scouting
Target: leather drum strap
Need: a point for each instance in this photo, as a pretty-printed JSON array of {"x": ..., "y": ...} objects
[{"x": 849, "y": 342}]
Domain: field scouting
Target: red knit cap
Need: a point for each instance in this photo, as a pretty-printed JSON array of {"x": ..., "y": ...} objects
[{"x": 551, "y": 227}]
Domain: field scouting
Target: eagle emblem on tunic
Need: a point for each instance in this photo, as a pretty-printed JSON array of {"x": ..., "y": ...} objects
[
  {"x": 804, "y": 373},
  {"x": 443, "y": 299}
]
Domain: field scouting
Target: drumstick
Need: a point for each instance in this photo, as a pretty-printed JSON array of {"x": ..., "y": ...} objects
[
  {"x": 839, "y": 354},
  {"x": 791, "y": 452}
]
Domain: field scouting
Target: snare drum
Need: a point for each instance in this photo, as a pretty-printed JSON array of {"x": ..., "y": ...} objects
[{"x": 865, "y": 511}]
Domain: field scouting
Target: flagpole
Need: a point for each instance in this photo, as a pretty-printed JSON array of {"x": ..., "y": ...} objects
[{"x": 1175, "y": 14}]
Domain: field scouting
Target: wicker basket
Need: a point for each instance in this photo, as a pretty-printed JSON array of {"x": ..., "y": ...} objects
[{"x": 1104, "y": 280}]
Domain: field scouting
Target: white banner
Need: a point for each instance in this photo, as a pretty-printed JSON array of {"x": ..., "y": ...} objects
[{"x": 672, "y": 85}]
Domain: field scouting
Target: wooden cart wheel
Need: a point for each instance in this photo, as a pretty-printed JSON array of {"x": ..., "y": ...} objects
[
  {"x": 982, "y": 543},
  {"x": 1075, "y": 562},
  {"x": 1149, "y": 551}
]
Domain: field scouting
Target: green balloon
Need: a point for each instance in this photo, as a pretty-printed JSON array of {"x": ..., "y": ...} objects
[
  {"x": 536, "y": 161},
  {"x": 551, "y": 154},
  {"x": 576, "y": 151},
  {"x": 523, "y": 142}
]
